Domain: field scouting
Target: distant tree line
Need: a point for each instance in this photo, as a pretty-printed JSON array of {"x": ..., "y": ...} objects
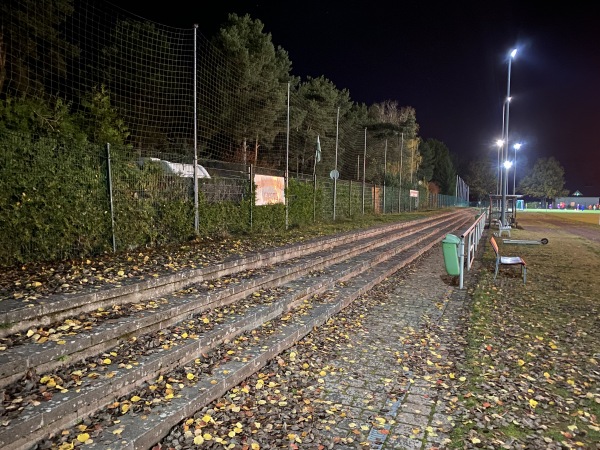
[{"x": 250, "y": 76}]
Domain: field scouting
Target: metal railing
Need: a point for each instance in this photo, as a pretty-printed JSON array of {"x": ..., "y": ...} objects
[{"x": 469, "y": 241}]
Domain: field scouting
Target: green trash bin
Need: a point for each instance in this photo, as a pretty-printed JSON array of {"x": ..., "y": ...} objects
[{"x": 450, "y": 249}]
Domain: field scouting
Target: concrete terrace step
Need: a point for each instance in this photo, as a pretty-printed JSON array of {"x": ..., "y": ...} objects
[
  {"x": 16, "y": 315},
  {"x": 365, "y": 267},
  {"x": 16, "y": 361},
  {"x": 143, "y": 434}
]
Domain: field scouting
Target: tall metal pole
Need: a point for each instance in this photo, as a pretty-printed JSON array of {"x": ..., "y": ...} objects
[
  {"x": 384, "y": 173},
  {"x": 401, "y": 151},
  {"x": 505, "y": 187},
  {"x": 110, "y": 196},
  {"x": 337, "y": 128},
  {"x": 501, "y": 148},
  {"x": 287, "y": 161},
  {"x": 364, "y": 170},
  {"x": 196, "y": 214},
  {"x": 412, "y": 162}
]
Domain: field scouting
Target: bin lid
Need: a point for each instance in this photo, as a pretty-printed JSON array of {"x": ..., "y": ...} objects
[{"x": 451, "y": 239}]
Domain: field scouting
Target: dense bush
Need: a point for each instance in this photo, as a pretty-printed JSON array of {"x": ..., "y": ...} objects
[
  {"x": 51, "y": 201},
  {"x": 66, "y": 194}
]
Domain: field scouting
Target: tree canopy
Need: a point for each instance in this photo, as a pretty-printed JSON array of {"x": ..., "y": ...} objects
[
  {"x": 545, "y": 180},
  {"x": 255, "y": 84},
  {"x": 437, "y": 166},
  {"x": 481, "y": 178}
]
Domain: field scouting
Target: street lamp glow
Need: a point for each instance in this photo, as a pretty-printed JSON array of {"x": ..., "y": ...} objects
[
  {"x": 508, "y": 164},
  {"x": 506, "y": 141}
]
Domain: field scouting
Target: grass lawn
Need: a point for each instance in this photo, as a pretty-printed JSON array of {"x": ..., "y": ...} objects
[{"x": 533, "y": 351}]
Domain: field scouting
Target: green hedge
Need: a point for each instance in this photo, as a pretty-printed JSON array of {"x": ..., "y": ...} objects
[{"x": 51, "y": 199}]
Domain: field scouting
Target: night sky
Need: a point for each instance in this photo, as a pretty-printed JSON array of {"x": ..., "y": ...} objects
[{"x": 448, "y": 60}]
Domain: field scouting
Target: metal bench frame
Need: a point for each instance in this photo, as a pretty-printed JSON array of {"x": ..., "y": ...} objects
[
  {"x": 508, "y": 260},
  {"x": 502, "y": 229}
]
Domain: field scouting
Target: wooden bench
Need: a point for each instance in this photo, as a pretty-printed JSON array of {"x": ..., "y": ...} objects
[{"x": 508, "y": 261}]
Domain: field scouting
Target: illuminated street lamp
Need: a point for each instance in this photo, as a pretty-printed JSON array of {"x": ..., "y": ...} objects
[
  {"x": 517, "y": 146},
  {"x": 500, "y": 144},
  {"x": 503, "y": 206}
]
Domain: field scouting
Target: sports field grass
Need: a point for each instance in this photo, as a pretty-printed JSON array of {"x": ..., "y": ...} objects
[{"x": 587, "y": 216}]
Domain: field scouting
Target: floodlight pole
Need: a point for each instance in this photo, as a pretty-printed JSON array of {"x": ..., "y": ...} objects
[
  {"x": 505, "y": 184},
  {"x": 196, "y": 209}
]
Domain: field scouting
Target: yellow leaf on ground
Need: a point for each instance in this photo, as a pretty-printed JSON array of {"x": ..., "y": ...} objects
[{"x": 83, "y": 437}]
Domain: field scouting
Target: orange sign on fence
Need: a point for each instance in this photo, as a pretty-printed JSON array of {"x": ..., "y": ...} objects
[{"x": 269, "y": 190}]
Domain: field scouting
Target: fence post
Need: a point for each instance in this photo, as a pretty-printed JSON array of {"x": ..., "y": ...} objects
[
  {"x": 110, "y": 196},
  {"x": 315, "y": 198},
  {"x": 252, "y": 194},
  {"x": 350, "y": 199},
  {"x": 374, "y": 197}
]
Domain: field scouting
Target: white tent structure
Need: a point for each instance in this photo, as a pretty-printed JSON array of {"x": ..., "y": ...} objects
[{"x": 181, "y": 169}]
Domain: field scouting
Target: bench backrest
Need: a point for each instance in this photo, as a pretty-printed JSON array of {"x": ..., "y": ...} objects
[{"x": 494, "y": 245}]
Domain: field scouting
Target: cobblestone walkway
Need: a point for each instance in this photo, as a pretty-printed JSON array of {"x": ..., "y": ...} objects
[{"x": 361, "y": 387}]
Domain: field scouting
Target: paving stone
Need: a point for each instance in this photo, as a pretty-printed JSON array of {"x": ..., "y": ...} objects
[{"x": 413, "y": 420}]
